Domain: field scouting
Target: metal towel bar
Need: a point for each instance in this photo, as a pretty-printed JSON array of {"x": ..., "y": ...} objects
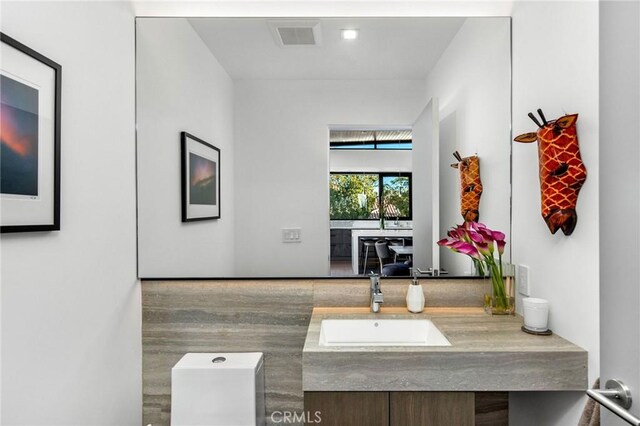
[
  {"x": 432, "y": 272},
  {"x": 616, "y": 398}
]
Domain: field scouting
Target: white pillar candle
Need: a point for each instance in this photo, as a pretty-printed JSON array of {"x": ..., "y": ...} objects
[{"x": 536, "y": 313}]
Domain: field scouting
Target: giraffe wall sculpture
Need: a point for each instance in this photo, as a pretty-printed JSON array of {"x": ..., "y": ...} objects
[
  {"x": 562, "y": 172},
  {"x": 470, "y": 186}
]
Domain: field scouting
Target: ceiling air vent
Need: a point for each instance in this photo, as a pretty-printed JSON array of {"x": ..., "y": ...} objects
[{"x": 290, "y": 33}]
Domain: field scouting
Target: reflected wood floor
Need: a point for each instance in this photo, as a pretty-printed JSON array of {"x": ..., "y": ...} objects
[{"x": 341, "y": 268}]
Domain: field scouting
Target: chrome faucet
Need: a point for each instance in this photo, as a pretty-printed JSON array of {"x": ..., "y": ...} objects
[{"x": 375, "y": 293}]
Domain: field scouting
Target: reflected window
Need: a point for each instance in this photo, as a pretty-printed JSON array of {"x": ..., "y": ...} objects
[
  {"x": 371, "y": 139},
  {"x": 359, "y": 196},
  {"x": 396, "y": 196}
]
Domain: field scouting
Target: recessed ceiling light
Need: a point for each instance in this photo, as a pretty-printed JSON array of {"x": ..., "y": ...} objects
[{"x": 349, "y": 34}]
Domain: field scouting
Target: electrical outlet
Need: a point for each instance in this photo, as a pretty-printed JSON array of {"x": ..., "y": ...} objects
[
  {"x": 291, "y": 235},
  {"x": 522, "y": 280}
]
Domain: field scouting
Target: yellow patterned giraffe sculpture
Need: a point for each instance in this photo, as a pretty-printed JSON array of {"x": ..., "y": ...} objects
[{"x": 470, "y": 186}]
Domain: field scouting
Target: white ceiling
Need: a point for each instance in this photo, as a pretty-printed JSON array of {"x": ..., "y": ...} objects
[{"x": 387, "y": 48}]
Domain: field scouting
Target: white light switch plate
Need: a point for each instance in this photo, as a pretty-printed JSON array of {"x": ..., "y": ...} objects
[
  {"x": 522, "y": 280},
  {"x": 291, "y": 235}
]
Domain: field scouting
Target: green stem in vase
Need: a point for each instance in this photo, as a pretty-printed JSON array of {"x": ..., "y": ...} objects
[
  {"x": 497, "y": 283},
  {"x": 479, "y": 267}
]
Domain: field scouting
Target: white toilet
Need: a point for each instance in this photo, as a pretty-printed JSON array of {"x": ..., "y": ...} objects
[{"x": 218, "y": 389}]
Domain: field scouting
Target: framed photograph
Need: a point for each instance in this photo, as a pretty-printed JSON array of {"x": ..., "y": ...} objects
[
  {"x": 200, "y": 179},
  {"x": 30, "y": 101}
]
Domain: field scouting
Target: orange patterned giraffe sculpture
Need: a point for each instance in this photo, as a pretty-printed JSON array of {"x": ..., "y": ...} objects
[
  {"x": 470, "y": 186},
  {"x": 562, "y": 172}
]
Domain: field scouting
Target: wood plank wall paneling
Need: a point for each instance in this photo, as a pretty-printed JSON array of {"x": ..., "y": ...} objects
[{"x": 269, "y": 316}]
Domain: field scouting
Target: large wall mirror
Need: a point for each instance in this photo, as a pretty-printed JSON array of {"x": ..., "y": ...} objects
[{"x": 323, "y": 125}]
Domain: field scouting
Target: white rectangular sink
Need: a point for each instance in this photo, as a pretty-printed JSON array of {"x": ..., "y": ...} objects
[{"x": 385, "y": 332}]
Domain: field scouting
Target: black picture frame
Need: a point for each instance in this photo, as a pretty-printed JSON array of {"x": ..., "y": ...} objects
[
  {"x": 8, "y": 209},
  {"x": 205, "y": 157}
]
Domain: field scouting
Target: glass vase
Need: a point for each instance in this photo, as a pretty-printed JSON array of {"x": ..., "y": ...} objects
[{"x": 501, "y": 301}]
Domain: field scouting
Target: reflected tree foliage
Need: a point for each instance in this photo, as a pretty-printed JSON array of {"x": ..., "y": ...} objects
[{"x": 353, "y": 196}]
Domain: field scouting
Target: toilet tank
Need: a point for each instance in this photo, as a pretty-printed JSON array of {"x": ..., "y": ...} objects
[{"x": 218, "y": 389}]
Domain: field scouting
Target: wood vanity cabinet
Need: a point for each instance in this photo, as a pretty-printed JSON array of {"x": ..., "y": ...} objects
[
  {"x": 348, "y": 408},
  {"x": 408, "y": 408}
]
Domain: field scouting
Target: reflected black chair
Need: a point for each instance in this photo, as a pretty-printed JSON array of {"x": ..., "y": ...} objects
[
  {"x": 397, "y": 269},
  {"x": 384, "y": 255}
]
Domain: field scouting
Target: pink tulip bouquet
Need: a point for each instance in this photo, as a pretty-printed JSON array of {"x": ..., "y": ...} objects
[{"x": 480, "y": 243}]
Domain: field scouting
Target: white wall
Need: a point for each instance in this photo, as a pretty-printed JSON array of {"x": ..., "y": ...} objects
[
  {"x": 71, "y": 344},
  {"x": 180, "y": 86},
  {"x": 620, "y": 198},
  {"x": 282, "y": 158},
  {"x": 563, "y": 269},
  {"x": 344, "y": 160},
  {"x": 424, "y": 186},
  {"x": 472, "y": 81},
  {"x": 450, "y": 195}
]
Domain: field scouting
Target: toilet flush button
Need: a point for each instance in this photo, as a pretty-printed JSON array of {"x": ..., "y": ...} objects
[{"x": 218, "y": 359}]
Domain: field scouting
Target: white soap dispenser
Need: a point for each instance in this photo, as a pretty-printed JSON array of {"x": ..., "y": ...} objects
[{"x": 415, "y": 296}]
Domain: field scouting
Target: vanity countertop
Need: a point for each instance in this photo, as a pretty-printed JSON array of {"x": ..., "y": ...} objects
[{"x": 487, "y": 353}]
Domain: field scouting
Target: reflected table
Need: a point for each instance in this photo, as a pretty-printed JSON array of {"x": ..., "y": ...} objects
[{"x": 406, "y": 251}]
